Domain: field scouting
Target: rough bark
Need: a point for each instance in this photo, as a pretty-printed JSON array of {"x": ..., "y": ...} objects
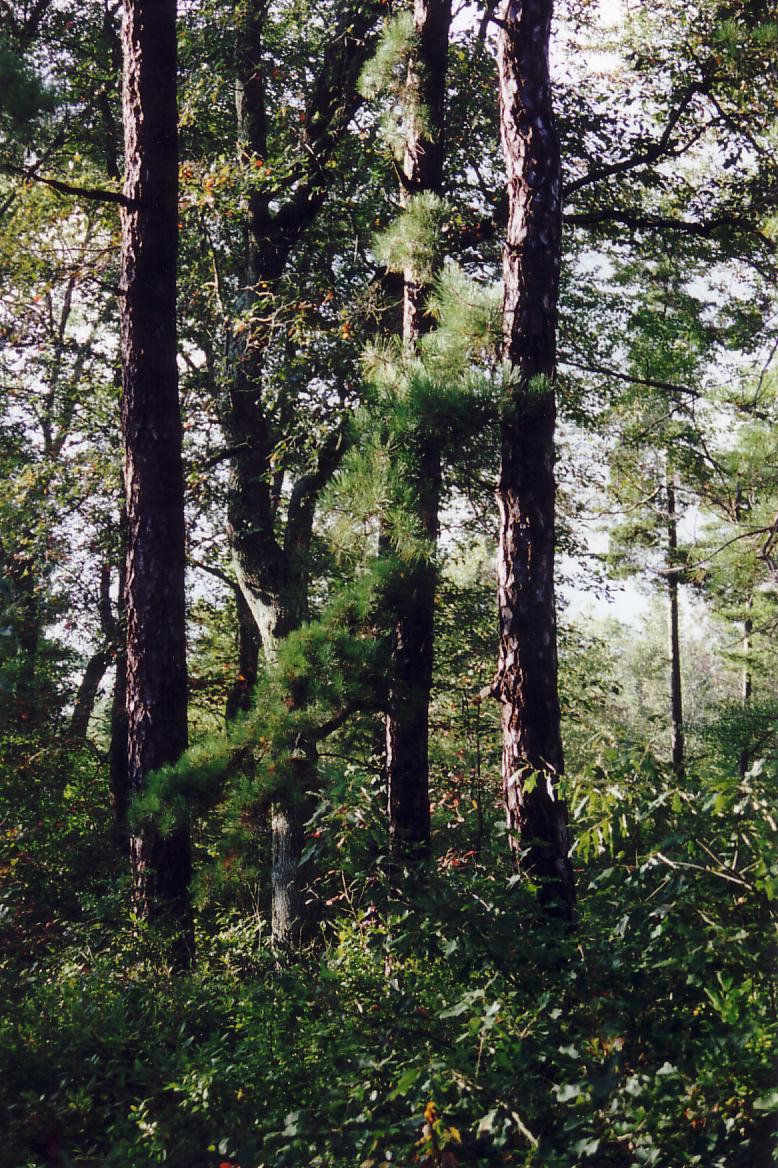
[
  {"x": 407, "y": 720},
  {"x": 526, "y": 683},
  {"x": 156, "y": 645},
  {"x": 677, "y": 748}
]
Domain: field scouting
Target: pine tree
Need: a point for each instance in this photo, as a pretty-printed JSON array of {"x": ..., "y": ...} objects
[
  {"x": 407, "y": 719},
  {"x": 156, "y": 684},
  {"x": 526, "y": 683}
]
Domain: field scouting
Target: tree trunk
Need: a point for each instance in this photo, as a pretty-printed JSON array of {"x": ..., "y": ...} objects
[
  {"x": 744, "y": 761},
  {"x": 28, "y": 635},
  {"x": 273, "y": 584},
  {"x": 96, "y": 669},
  {"x": 676, "y": 691},
  {"x": 99, "y": 662},
  {"x": 295, "y": 909},
  {"x": 424, "y": 152},
  {"x": 407, "y": 721},
  {"x": 240, "y": 695},
  {"x": 118, "y": 753},
  {"x": 526, "y": 682},
  {"x": 118, "y": 767},
  {"x": 271, "y": 569},
  {"x": 156, "y": 640}
]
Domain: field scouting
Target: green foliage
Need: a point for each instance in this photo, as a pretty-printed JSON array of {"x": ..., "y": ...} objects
[
  {"x": 449, "y": 1024},
  {"x": 386, "y": 70},
  {"x": 412, "y": 242},
  {"x": 327, "y": 669},
  {"x": 24, "y": 96},
  {"x": 385, "y": 80},
  {"x": 467, "y": 312},
  {"x": 649, "y": 1031}
]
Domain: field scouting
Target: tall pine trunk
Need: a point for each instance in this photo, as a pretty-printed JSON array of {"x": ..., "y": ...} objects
[
  {"x": 407, "y": 721},
  {"x": 156, "y": 680},
  {"x": 526, "y": 684},
  {"x": 677, "y": 746}
]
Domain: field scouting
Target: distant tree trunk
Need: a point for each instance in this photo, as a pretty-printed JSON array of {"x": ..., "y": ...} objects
[
  {"x": 424, "y": 152},
  {"x": 156, "y": 641},
  {"x": 96, "y": 669},
  {"x": 744, "y": 761},
  {"x": 240, "y": 696},
  {"x": 526, "y": 682},
  {"x": 676, "y": 690},
  {"x": 22, "y": 576},
  {"x": 99, "y": 662},
  {"x": 407, "y": 720},
  {"x": 118, "y": 758}
]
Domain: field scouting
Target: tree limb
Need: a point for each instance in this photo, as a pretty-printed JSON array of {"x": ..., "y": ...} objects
[
  {"x": 668, "y": 386},
  {"x": 94, "y": 194},
  {"x": 642, "y": 158},
  {"x": 217, "y": 573},
  {"x": 648, "y": 222}
]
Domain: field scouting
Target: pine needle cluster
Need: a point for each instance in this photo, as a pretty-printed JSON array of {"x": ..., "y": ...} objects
[{"x": 412, "y": 244}]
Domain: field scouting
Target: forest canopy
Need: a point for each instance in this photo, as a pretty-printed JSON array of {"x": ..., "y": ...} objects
[{"x": 389, "y": 592}]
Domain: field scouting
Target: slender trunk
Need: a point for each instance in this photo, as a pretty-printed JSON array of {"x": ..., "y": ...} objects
[
  {"x": 96, "y": 669},
  {"x": 156, "y": 641},
  {"x": 295, "y": 909},
  {"x": 273, "y": 592},
  {"x": 98, "y": 663},
  {"x": 744, "y": 761},
  {"x": 526, "y": 682},
  {"x": 477, "y": 793},
  {"x": 240, "y": 695},
  {"x": 29, "y": 633},
  {"x": 118, "y": 768},
  {"x": 407, "y": 721},
  {"x": 676, "y": 690}
]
